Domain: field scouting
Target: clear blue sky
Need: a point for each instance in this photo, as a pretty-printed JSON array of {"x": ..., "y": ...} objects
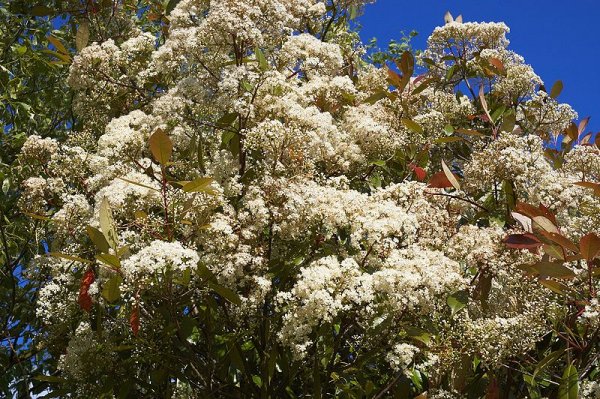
[{"x": 559, "y": 38}]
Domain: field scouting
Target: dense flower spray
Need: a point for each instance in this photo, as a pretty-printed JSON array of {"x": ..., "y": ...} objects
[{"x": 253, "y": 209}]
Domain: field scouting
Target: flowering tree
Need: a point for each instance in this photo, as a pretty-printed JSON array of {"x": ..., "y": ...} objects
[{"x": 249, "y": 208}]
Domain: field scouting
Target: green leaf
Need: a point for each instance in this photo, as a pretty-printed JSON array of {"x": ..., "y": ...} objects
[
  {"x": 225, "y": 293},
  {"x": 205, "y": 273},
  {"x": 107, "y": 224},
  {"x": 557, "y": 88},
  {"x": 48, "y": 378},
  {"x": 569, "y": 385},
  {"x": 161, "y": 147},
  {"x": 262, "y": 61},
  {"x": 110, "y": 260},
  {"x": 418, "y": 334},
  {"x": 509, "y": 121},
  {"x": 553, "y": 269},
  {"x": 171, "y": 5},
  {"x": 58, "y": 45},
  {"x": 509, "y": 194},
  {"x": 257, "y": 380},
  {"x": 227, "y": 119},
  {"x": 458, "y": 301},
  {"x": 412, "y": 125},
  {"x": 547, "y": 361},
  {"x": 247, "y": 86},
  {"x": 98, "y": 238},
  {"x": 138, "y": 184},
  {"x": 555, "y": 286},
  {"x": 83, "y": 35},
  {"x": 111, "y": 291},
  {"x": 451, "y": 71},
  {"x": 376, "y": 97},
  {"x": 498, "y": 112},
  {"x": 422, "y": 86},
  {"x": 201, "y": 184}
]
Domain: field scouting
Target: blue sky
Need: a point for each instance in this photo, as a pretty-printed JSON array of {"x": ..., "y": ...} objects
[{"x": 559, "y": 38}]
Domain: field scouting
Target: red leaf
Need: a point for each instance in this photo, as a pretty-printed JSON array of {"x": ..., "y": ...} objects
[
  {"x": 531, "y": 211},
  {"x": 561, "y": 240},
  {"x": 522, "y": 241},
  {"x": 593, "y": 186},
  {"x": 134, "y": 320},
  {"x": 419, "y": 172},
  {"x": 439, "y": 180},
  {"x": 493, "y": 390},
  {"x": 590, "y": 246},
  {"x": 84, "y": 299},
  {"x": 583, "y": 124},
  {"x": 497, "y": 64}
]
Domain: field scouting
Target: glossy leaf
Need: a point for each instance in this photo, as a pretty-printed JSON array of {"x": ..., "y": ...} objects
[
  {"x": 201, "y": 184},
  {"x": 593, "y": 186},
  {"x": 522, "y": 241},
  {"x": 450, "y": 176},
  {"x": 418, "y": 171},
  {"x": 110, "y": 260},
  {"x": 84, "y": 298},
  {"x": 83, "y": 35},
  {"x": 98, "y": 239},
  {"x": 107, "y": 224},
  {"x": 58, "y": 45},
  {"x": 111, "y": 291},
  {"x": 134, "y": 320},
  {"x": 261, "y": 59},
  {"x": 439, "y": 180},
  {"x": 161, "y": 147},
  {"x": 569, "y": 385},
  {"x": 412, "y": 125},
  {"x": 545, "y": 224},
  {"x": 458, "y": 301},
  {"x": 589, "y": 246},
  {"x": 557, "y": 88},
  {"x": 225, "y": 293},
  {"x": 407, "y": 63},
  {"x": 560, "y": 240},
  {"x": 553, "y": 269}
]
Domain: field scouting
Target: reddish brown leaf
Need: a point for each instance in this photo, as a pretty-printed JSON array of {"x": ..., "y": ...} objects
[
  {"x": 439, "y": 180},
  {"x": 589, "y": 246},
  {"x": 583, "y": 124},
  {"x": 134, "y": 320},
  {"x": 84, "y": 299},
  {"x": 419, "y": 172},
  {"x": 548, "y": 214},
  {"x": 593, "y": 186},
  {"x": 560, "y": 240},
  {"x": 497, "y": 64},
  {"x": 522, "y": 241},
  {"x": 531, "y": 211},
  {"x": 572, "y": 131},
  {"x": 585, "y": 139},
  {"x": 394, "y": 78},
  {"x": 493, "y": 390}
]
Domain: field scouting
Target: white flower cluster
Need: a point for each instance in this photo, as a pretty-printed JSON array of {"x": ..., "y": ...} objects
[{"x": 158, "y": 257}]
